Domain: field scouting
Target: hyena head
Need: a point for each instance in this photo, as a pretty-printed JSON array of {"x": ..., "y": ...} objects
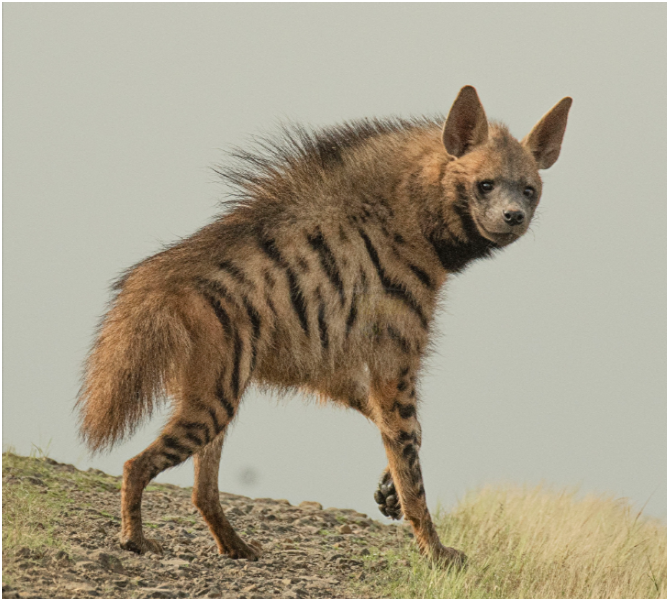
[{"x": 495, "y": 177}]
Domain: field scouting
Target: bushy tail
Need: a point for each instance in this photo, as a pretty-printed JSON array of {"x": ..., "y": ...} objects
[{"x": 141, "y": 342}]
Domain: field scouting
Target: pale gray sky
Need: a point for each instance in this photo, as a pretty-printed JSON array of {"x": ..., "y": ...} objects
[{"x": 552, "y": 360}]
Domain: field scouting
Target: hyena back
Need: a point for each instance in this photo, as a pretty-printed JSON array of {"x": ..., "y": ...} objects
[{"x": 324, "y": 277}]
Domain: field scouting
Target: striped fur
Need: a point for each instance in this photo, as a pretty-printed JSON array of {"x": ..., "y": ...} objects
[{"x": 322, "y": 275}]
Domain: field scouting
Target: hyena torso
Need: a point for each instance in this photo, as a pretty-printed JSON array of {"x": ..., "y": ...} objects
[{"x": 324, "y": 277}]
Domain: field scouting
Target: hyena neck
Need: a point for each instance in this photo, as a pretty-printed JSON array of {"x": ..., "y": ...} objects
[{"x": 445, "y": 218}]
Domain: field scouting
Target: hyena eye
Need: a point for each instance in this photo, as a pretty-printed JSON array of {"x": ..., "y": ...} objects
[
  {"x": 529, "y": 192},
  {"x": 485, "y": 186}
]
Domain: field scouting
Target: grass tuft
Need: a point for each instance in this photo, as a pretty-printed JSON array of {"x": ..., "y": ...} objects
[
  {"x": 29, "y": 508},
  {"x": 538, "y": 543}
]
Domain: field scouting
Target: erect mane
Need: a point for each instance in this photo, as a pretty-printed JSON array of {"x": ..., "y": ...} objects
[{"x": 312, "y": 152}]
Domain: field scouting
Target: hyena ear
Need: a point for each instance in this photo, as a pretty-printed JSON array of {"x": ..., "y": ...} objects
[
  {"x": 545, "y": 139},
  {"x": 466, "y": 125}
]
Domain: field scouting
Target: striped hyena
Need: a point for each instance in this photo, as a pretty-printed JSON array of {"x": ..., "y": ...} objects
[{"x": 323, "y": 277}]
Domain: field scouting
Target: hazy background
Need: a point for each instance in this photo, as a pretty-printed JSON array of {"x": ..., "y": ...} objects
[{"x": 552, "y": 364}]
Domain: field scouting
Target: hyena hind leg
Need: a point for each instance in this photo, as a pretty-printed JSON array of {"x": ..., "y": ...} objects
[
  {"x": 185, "y": 434},
  {"x": 206, "y": 497}
]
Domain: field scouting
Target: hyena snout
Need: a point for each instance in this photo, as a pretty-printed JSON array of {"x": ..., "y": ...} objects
[{"x": 514, "y": 216}]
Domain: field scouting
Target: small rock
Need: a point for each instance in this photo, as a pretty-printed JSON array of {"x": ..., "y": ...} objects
[
  {"x": 62, "y": 556},
  {"x": 346, "y": 529},
  {"x": 111, "y": 563},
  {"x": 34, "y": 480},
  {"x": 310, "y": 505},
  {"x": 158, "y": 593}
]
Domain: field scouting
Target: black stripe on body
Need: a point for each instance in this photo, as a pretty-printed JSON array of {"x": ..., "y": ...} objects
[
  {"x": 422, "y": 275},
  {"x": 217, "y": 427},
  {"x": 328, "y": 261},
  {"x": 256, "y": 322},
  {"x": 220, "y": 313},
  {"x": 352, "y": 316},
  {"x": 268, "y": 246},
  {"x": 396, "y": 336},
  {"x": 225, "y": 403},
  {"x": 235, "y": 272},
  {"x": 324, "y": 331},
  {"x": 296, "y": 297},
  {"x": 236, "y": 372},
  {"x": 390, "y": 288}
]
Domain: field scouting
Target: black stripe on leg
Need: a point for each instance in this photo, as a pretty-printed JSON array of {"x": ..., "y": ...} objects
[
  {"x": 197, "y": 426},
  {"x": 173, "y": 443},
  {"x": 172, "y": 458},
  {"x": 405, "y": 411},
  {"x": 328, "y": 261},
  {"x": 392, "y": 289},
  {"x": 195, "y": 439},
  {"x": 405, "y": 437},
  {"x": 410, "y": 453}
]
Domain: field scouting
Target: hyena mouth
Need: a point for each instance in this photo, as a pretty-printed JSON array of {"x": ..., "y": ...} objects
[{"x": 500, "y": 238}]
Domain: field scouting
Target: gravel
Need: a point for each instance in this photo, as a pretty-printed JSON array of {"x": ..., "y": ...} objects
[{"x": 308, "y": 551}]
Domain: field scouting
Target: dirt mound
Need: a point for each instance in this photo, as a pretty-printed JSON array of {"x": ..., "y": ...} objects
[{"x": 308, "y": 551}]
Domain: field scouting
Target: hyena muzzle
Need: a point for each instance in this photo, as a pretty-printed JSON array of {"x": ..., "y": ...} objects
[{"x": 322, "y": 276}]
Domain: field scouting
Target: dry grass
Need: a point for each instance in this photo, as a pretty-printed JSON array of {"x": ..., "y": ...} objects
[
  {"x": 29, "y": 510},
  {"x": 540, "y": 544}
]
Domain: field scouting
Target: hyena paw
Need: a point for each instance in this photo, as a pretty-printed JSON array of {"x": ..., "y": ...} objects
[
  {"x": 448, "y": 557},
  {"x": 251, "y": 551},
  {"x": 387, "y": 498},
  {"x": 140, "y": 545}
]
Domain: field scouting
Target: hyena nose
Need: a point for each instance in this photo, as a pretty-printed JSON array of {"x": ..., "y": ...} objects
[{"x": 514, "y": 217}]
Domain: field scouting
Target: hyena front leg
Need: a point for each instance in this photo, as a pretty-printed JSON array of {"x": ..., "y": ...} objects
[
  {"x": 186, "y": 433},
  {"x": 206, "y": 497},
  {"x": 401, "y": 434}
]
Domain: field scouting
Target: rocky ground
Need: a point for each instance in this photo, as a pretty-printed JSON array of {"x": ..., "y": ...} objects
[{"x": 308, "y": 551}]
